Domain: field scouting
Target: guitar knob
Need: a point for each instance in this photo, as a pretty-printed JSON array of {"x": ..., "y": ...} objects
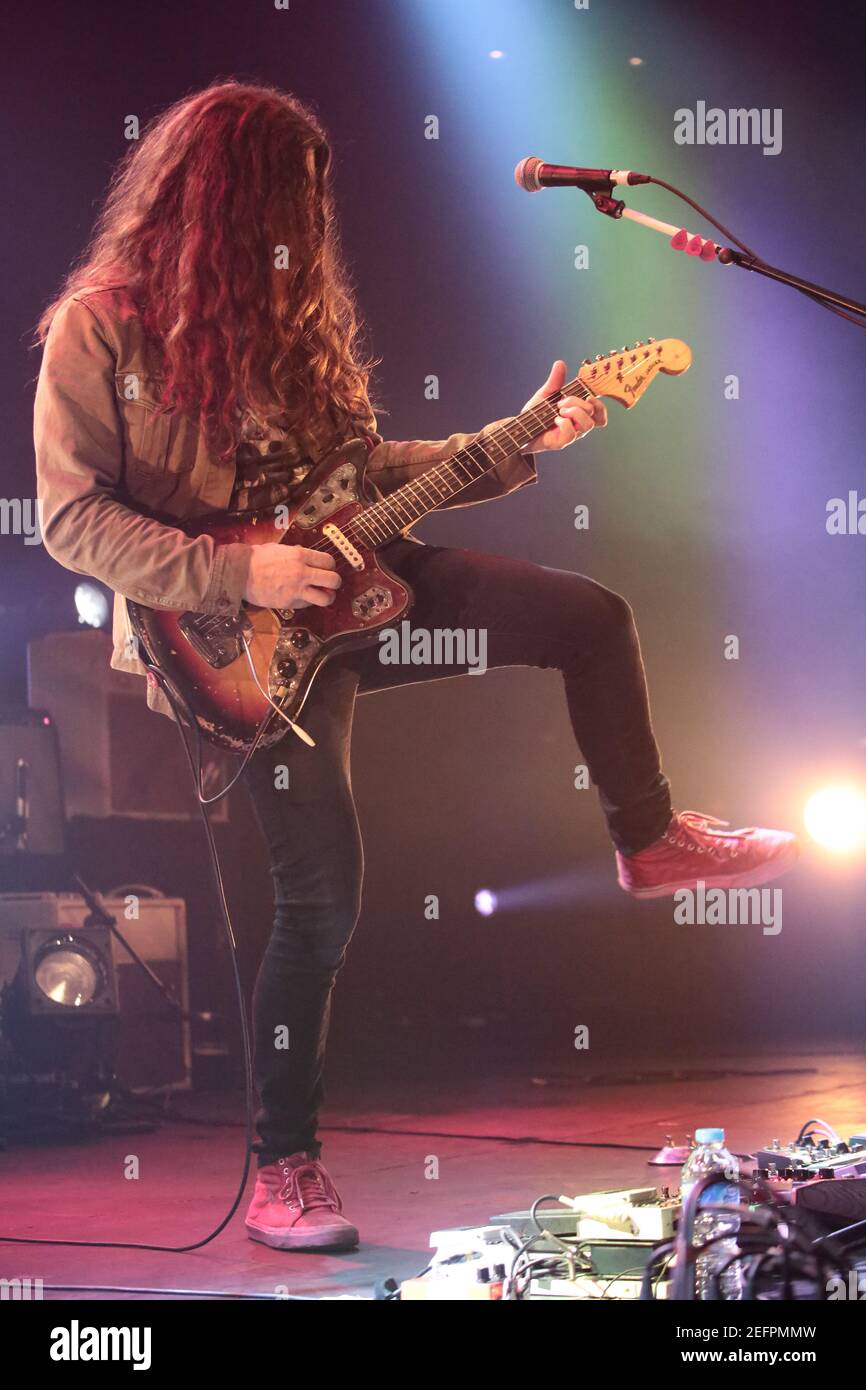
[
  {"x": 286, "y": 668},
  {"x": 300, "y": 638}
]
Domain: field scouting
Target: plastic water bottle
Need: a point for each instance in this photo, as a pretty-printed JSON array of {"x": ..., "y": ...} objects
[{"x": 711, "y": 1156}]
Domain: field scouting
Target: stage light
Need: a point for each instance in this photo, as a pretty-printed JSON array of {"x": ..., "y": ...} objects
[
  {"x": 485, "y": 902},
  {"x": 496, "y": 53},
  {"x": 635, "y": 62},
  {"x": 67, "y": 974},
  {"x": 56, "y": 1007},
  {"x": 836, "y": 818},
  {"x": 91, "y": 604}
]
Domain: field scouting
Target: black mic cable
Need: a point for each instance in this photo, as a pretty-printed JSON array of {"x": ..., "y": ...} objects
[
  {"x": 533, "y": 175},
  {"x": 175, "y": 698}
]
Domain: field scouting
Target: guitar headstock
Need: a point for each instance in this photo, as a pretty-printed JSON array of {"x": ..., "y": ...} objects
[{"x": 624, "y": 376}]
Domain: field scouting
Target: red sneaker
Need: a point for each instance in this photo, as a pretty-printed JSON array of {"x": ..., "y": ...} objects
[
  {"x": 296, "y": 1207},
  {"x": 693, "y": 849}
]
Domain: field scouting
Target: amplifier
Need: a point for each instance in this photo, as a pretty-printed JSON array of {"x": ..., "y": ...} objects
[
  {"x": 154, "y": 1046},
  {"x": 118, "y": 757},
  {"x": 31, "y": 794}
]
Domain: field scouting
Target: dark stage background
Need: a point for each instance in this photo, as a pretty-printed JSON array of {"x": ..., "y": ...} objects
[{"x": 708, "y": 513}]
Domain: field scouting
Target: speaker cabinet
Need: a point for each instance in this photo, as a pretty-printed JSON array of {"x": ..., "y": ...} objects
[{"x": 118, "y": 757}]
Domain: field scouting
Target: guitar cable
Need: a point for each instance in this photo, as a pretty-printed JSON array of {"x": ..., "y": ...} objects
[
  {"x": 180, "y": 707},
  {"x": 295, "y": 728}
]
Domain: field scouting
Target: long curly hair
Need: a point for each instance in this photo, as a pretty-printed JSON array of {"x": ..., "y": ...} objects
[{"x": 220, "y": 225}]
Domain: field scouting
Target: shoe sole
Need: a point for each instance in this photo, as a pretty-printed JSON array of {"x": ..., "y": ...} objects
[
  {"x": 340, "y": 1238},
  {"x": 749, "y": 878}
]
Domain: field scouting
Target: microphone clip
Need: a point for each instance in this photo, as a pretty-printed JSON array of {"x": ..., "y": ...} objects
[{"x": 611, "y": 207}]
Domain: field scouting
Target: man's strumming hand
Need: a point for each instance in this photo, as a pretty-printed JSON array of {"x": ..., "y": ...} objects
[{"x": 291, "y": 576}]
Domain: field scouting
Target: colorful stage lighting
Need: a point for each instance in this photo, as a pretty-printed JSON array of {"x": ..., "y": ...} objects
[
  {"x": 485, "y": 902},
  {"x": 836, "y": 818},
  {"x": 92, "y": 604}
]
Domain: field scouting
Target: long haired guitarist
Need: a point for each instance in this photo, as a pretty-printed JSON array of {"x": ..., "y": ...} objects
[{"x": 202, "y": 364}]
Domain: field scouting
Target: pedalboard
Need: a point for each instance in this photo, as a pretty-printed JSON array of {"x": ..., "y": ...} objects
[{"x": 807, "y": 1159}]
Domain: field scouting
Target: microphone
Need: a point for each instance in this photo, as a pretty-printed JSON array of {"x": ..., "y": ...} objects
[{"x": 533, "y": 174}]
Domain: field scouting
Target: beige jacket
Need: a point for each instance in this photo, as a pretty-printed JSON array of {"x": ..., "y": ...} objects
[{"x": 116, "y": 476}]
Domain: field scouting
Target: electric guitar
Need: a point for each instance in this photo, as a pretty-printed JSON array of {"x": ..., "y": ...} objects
[{"x": 246, "y": 678}]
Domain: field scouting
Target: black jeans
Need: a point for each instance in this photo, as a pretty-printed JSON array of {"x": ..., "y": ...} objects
[{"x": 531, "y": 616}]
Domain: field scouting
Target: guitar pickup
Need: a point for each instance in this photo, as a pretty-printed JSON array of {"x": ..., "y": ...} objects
[
  {"x": 218, "y": 641},
  {"x": 344, "y": 545}
]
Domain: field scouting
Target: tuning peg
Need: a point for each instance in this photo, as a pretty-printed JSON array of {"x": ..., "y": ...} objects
[
  {"x": 585, "y": 362},
  {"x": 638, "y": 343},
  {"x": 599, "y": 357},
  {"x": 650, "y": 340}
]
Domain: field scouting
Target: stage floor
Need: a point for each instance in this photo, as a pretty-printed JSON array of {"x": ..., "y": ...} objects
[{"x": 499, "y": 1144}]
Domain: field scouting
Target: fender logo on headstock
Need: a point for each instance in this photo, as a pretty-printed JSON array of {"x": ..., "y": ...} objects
[
  {"x": 626, "y": 383},
  {"x": 634, "y": 388}
]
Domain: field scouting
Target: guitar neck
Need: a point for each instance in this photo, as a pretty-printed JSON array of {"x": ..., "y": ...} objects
[{"x": 407, "y": 504}]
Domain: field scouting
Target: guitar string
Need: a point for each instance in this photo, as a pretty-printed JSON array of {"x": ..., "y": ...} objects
[
  {"x": 363, "y": 519},
  {"x": 575, "y": 387},
  {"x": 491, "y": 440}
]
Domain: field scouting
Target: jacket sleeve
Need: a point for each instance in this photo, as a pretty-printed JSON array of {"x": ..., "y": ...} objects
[
  {"x": 85, "y": 524},
  {"x": 392, "y": 463}
]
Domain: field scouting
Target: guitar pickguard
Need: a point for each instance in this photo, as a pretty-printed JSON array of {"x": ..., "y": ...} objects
[{"x": 339, "y": 487}]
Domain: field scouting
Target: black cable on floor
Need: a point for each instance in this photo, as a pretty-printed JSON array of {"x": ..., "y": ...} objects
[
  {"x": 195, "y": 769},
  {"x": 497, "y": 1138},
  {"x": 208, "y": 1123}
]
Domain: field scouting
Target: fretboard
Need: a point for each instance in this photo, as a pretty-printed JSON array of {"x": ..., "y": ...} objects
[{"x": 403, "y": 507}]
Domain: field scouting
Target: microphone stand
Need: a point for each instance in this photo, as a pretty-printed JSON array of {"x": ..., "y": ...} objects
[
  {"x": 707, "y": 249},
  {"x": 100, "y": 916}
]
